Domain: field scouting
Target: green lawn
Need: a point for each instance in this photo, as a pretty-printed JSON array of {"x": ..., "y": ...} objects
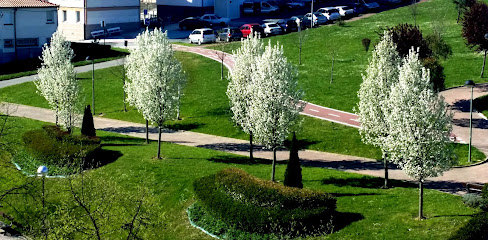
[
  {"x": 205, "y": 109},
  {"x": 368, "y": 212},
  {"x": 351, "y": 59},
  {"x": 481, "y": 104},
  {"x": 29, "y": 67}
]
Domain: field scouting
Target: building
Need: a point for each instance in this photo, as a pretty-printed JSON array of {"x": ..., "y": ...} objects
[
  {"x": 78, "y": 18},
  {"x": 179, "y": 9},
  {"x": 25, "y": 26}
]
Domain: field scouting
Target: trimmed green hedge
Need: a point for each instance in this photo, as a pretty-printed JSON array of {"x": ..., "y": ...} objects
[
  {"x": 54, "y": 146},
  {"x": 255, "y": 205}
]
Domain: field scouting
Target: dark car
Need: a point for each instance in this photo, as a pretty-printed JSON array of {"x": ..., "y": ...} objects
[
  {"x": 288, "y": 25},
  {"x": 193, "y": 23},
  {"x": 304, "y": 22},
  {"x": 246, "y": 29},
  {"x": 230, "y": 34}
]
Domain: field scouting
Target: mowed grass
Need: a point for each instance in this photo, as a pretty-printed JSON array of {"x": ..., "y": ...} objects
[
  {"x": 368, "y": 211},
  {"x": 205, "y": 109},
  {"x": 351, "y": 60}
]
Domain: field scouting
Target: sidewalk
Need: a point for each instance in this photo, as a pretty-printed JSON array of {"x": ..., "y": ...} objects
[{"x": 450, "y": 182}]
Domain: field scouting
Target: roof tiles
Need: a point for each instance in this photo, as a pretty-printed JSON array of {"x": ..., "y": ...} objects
[{"x": 25, "y": 4}]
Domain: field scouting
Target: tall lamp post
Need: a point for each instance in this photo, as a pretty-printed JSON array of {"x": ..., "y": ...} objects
[
  {"x": 88, "y": 58},
  {"x": 470, "y": 84}
]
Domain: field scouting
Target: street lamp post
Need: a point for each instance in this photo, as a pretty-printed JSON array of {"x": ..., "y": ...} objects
[
  {"x": 470, "y": 84},
  {"x": 42, "y": 172},
  {"x": 88, "y": 58},
  {"x": 311, "y": 12}
]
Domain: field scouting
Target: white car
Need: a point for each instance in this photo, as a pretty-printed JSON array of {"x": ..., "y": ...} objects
[
  {"x": 271, "y": 29},
  {"x": 330, "y": 13},
  {"x": 215, "y": 20},
  {"x": 317, "y": 18},
  {"x": 345, "y": 11},
  {"x": 202, "y": 35}
]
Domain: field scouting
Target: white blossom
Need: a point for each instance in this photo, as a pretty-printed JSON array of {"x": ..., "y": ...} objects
[
  {"x": 381, "y": 74},
  {"x": 57, "y": 80},
  {"x": 155, "y": 78}
]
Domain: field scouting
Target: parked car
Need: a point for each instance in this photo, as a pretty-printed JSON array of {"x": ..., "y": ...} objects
[
  {"x": 317, "y": 18},
  {"x": 202, "y": 35},
  {"x": 215, "y": 20},
  {"x": 369, "y": 5},
  {"x": 293, "y": 4},
  {"x": 193, "y": 23},
  {"x": 271, "y": 29},
  {"x": 304, "y": 22},
  {"x": 255, "y": 28},
  {"x": 288, "y": 25},
  {"x": 249, "y": 7},
  {"x": 229, "y": 34},
  {"x": 390, "y": 2},
  {"x": 345, "y": 11},
  {"x": 330, "y": 13}
]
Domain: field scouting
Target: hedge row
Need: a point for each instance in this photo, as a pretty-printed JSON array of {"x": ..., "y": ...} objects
[
  {"x": 54, "y": 146},
  {"x": 255, "y": 205}
]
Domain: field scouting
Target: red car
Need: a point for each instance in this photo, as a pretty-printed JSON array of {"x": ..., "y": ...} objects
[{"x": 254, "y": 27}]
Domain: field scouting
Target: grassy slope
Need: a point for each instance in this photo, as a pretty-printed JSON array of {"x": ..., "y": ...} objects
[
  {"x": 377, "y": 213},
  {"x": 205, "y": 108},
  {"x": 351, "y": 59}
]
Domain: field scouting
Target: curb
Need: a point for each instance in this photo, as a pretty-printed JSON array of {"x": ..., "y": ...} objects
[
  {"x": 472, "y": 165},
  {"x": 196, "y": 226}
]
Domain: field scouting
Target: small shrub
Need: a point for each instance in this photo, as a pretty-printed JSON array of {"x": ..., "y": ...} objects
[
  {"x": 473, "y": 200},
  {"x": 366, "y": 42},
  {"x": 293, "y": 173},
  {"x": 57, "y": 147},
  {"x": 341, "y": 22},
  {"x": 87, "y": 126},
  {"x": 255, "y": 205}
]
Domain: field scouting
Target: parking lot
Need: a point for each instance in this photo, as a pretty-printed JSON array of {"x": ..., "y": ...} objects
[{"x": 177, "y": 34}]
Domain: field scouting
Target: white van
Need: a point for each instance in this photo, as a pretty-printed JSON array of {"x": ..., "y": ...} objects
[
  {"x": 249, "y": 7},
  {"x": 202, "y": 35}
]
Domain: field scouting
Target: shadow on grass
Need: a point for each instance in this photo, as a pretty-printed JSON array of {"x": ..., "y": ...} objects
[
  {"x": 121, "y": 141},
  {"x": 134, "y": 129},
  {"x": 103, "y": 158},
  {"x": 366, "y": 182},
  {"x": 302, "y": 143},
  {"x": 344, "y": 219}
]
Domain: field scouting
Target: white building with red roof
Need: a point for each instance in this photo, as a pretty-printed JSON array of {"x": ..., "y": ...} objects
[{"x": 25, "y": 26}]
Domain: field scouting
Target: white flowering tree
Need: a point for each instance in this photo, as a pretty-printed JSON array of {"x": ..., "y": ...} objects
[
  {"x": 240, "y": 89},
  {"x": 57, "y": 81},
  {"x": 420, "y": 125},
  {"x": 154, "y": 79},
  {"x": 381, "y": 74},
  {"x": 276, "y": 105}
]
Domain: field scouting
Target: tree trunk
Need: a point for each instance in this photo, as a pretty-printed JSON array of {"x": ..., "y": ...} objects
[
  {"x": 222, "y": 69},
  {"x": 251, "y": 157},
  {"x": 385, "y": 161},
  {"x": 159, "y": 142},
  {"x": 273, "y": 165},
  {"x": 483, "y": 67},
  {"x": 147, "y": 132},
  {"x": 421, "y": 199},
  {"x": 332, "y": 69},
  {"x": 300, "y": 54},
  {"x": 123, "y": 84}
]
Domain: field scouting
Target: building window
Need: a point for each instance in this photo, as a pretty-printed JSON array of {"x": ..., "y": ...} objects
[
  {"x": 8, "y": 43},
  {"x": 50, "y": 17},
  {"x": 65, "y": 16},
  {"x": 27, "y": 42},
  {"x": 78, "y": 16},
  {"x": 8, "y": 18}
]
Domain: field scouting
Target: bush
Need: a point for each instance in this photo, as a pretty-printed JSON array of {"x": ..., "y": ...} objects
[
  {"x": 255, "y": 205},
  {"x": 473, "y": 200},
  {"x": 293, "y": 173},
  {"x": 437, "y": 76},
  {"x": 476, "y": 228},
  {"x": 57, "y": 147}
]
